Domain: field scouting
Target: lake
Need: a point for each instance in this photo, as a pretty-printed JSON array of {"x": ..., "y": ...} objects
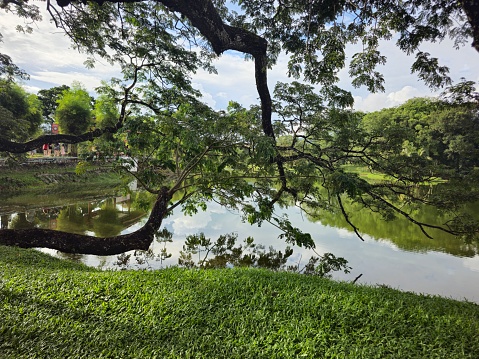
[{"x": 402, "y": 259}]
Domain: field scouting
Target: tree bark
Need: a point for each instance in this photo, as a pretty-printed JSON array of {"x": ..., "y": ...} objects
[
  {"x": 471, "y": 8},
  {"x": 17, "y": 147},
  {"x": 204, "y": 16},
  {"x": 77, "y": 243}
]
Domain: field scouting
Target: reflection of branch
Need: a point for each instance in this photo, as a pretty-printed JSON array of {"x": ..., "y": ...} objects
[
  {"x": 356, "y": 279},
  {"x": 421, "y": 225},
  {"x": 346, "y": 217},
  {"x": 84, "y": 244}
]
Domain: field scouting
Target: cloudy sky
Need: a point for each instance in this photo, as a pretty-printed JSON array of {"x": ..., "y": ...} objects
[{"x": 47, "y": 56}]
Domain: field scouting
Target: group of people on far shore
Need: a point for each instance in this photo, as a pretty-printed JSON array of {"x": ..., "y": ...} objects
[{"x": 59, "y": 149}]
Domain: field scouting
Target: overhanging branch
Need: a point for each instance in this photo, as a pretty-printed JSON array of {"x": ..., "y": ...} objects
[
  {"x": 17, "y": 147},
  {"x": 79, "y": 243}
]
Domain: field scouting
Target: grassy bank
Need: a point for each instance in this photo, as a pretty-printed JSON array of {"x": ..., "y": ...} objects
[
  {"x": 37, "y": 176},
  {"x": 51, "y": 308},
  {"x": 365, "y": 173}
]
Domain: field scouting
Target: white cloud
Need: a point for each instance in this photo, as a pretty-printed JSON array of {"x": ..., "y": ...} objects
[
  {"x": 206, "y": 96},
  {"x": 48, "y": 57},
  {"x": 406, "y": 93},
  {"x": 234, "y": 81},
  {"x": 185, "y": 225},
  {"x": 401, "y": 84},
  {"x": 344, "y": 233},
  {"x": 32, "y": 89},
  {"x": 377, "y": 101},
  {"x": 472, "y": 263},
  {"x": 56, "y": 78}
]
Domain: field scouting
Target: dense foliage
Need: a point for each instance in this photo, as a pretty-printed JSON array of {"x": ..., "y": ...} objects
[
  {"x": 74, "y": 110},
  {"x": 289, "y": 149},
  {"x": 49, "y": 98},
  {"x": 443, "y": 131},
  {"x": 20, "y": 112}
]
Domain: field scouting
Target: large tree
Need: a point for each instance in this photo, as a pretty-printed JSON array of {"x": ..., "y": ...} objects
[
  {"x": 444, "y": 129},
  {"x": 49, "y": 98},
  {"x": 196, "y": 154},
  {"x": 20, "y": 112},
  {"x": 74, "y": 111}
]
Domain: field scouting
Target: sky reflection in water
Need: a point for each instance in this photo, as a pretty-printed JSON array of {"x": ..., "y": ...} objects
[{"x": 379, "y": 261}]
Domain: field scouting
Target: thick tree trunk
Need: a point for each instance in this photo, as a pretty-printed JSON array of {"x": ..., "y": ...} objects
[
  {"x": 471, "y": 8},
  {"x": 77, "y": 243}
]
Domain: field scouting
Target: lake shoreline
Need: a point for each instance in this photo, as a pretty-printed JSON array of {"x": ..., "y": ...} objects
[
  {"x": 437, "y": 267},
  {"x": 50, "y": 175}
]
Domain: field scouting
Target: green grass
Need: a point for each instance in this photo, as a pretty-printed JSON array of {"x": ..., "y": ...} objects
[
  {"x": 51, "y": 308},
  {"x": 365, "y": 173},
  {"x": 29, "y": 183},
  {"x": 372, "y": 176}
]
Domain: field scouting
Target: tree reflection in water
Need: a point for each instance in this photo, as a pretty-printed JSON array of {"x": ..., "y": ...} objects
[
  {"x": 102, "y": 217},
  {"x": 225, "y": 252},
  {"x": 400, "y": 231}
]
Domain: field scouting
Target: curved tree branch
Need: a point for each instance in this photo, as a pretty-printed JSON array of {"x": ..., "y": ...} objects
[
  {"x": 78, "y": 243},
  {"x": 422, "y": 225},
  {"x": 17, "y": 147},
  {"x": 346, "y": 217}
]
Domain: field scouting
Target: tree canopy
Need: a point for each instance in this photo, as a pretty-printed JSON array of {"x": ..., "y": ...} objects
[
  {"x": 74, "y": 110},
  {"x": 289, "y": 149},
  {"x": 446, "y": 132},
  {"x": 49, "y": 98},
  {"x": 20, "y": 112}
]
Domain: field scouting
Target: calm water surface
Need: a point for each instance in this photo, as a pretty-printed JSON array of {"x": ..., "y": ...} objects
[{"x": 445, "y": 267}]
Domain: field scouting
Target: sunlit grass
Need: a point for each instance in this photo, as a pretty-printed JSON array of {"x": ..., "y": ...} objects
[
  {"x": 373, "y": 176},
  {"x": 58, "y": 309}
]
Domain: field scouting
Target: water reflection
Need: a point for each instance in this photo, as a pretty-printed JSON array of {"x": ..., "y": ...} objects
[
  {"x": 401, "y": 232},
  {"x": 102, "y": 217},
  {"x": 394, "y": 253}
]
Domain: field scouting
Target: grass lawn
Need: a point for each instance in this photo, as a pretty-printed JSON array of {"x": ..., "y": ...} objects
[
  {"x": 33, "y": 176},
  {"x": 372, "y": 176},
  {"x": 51, "y": 308},
  {"x": 365, "y": 173}
]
